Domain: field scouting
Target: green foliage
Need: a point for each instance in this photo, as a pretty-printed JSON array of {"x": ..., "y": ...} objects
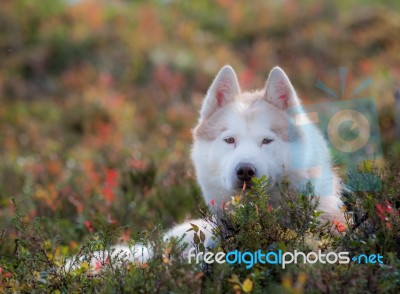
[
  {"x": 246, "y": 223},
  {"x": 97, "y": 100}
]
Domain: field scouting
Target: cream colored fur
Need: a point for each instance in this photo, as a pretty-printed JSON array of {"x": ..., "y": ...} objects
[{"x": 249, "y": 118}]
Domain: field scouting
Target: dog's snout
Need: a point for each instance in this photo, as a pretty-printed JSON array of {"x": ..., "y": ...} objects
[{"x": 245, "y": 172}]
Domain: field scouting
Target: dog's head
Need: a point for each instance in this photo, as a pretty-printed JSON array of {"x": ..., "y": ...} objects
[{"x": 241, "y": 135}]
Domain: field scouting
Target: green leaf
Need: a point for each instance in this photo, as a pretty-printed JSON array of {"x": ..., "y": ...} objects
[
  {"x": 194, "y": 227},
  {"x": 234, "y": 279},
  {"x": 196, "y": 239},
  {"x": 202, "y": 236},
  {"x": 317, "y": 213},
  {"x": 247, "y": 285}
]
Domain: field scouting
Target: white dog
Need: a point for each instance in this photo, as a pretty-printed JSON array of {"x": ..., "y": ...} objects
[{"x": 241, "y": 135}]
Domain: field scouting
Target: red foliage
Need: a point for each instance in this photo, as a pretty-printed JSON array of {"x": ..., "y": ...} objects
[
  {"x": 385, "y": 212},
  {"x": 212, "y": 202},
  {"x": 111, "y": 182},
  {"x": 340, "y": 227},
  {"x": 89, "y": 226}
]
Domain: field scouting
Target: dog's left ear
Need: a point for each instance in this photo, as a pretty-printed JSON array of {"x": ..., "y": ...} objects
[{"x": 279, "y": 91}]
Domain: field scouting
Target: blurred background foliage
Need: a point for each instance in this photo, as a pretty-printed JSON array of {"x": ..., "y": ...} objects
[{"x": 98, "y": 97}]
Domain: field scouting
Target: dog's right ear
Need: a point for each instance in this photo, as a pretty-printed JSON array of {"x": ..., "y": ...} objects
[{"x": 224, "y": 89}]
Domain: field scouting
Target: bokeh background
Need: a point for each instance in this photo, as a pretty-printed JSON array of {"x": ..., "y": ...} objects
[{"x": 98, "y": 98}]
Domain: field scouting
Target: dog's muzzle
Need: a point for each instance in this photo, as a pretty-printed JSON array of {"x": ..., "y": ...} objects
[{"x": 244, "y": 173}]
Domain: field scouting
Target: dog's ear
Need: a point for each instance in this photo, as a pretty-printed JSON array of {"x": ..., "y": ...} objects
[
  {"x": 224, "y": 89},
  {"x": 279, "y": 91}
]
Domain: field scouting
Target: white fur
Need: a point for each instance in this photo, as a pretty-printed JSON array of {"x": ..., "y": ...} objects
[
  {"x": 249, "y": 117},
  {"x": 140, "y": 253},
  {"x": 215, "y": 160}
]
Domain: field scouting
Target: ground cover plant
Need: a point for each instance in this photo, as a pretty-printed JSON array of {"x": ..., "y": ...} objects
[
  {"x": 38, "y": 262},
  {"x": 97, "y": 100}
]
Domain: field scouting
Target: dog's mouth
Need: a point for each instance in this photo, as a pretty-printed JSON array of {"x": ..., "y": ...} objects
[{"x": 245, "y": 185}]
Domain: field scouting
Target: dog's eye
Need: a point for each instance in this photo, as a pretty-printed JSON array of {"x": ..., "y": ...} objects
[
  {"x": 230, "y": 140},
  {"x": 267, "y": 141}
]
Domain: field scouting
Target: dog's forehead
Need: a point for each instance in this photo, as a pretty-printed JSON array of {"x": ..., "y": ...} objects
[
  {"x": 248, "y": 112},
  {"x": 251, "y": 107}
]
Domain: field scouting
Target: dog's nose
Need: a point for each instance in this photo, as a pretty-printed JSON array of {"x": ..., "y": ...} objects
[{"x": 245, "y": 172}]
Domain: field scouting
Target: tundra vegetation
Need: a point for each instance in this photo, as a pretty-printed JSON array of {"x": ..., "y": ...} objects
[{"x": 97, "y": 102}]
